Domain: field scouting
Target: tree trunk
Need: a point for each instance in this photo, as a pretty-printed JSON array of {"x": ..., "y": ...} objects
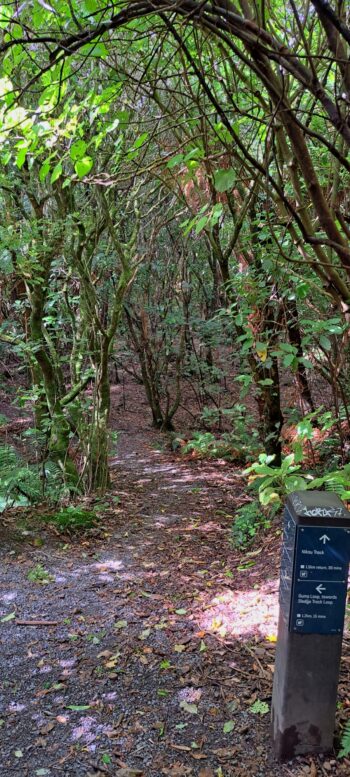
[{"x": 294, "y": 335}]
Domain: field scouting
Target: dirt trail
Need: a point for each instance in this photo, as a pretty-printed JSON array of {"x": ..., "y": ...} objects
[{"x": 163, "y": 640}]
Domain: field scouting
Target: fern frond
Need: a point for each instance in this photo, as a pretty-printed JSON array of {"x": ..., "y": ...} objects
[
  {"x": 345, "y": 741},
  {"x": 33, "y": 482}
]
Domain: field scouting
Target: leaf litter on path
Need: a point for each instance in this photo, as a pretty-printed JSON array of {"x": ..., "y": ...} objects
[{"x": 133, "y": 678}]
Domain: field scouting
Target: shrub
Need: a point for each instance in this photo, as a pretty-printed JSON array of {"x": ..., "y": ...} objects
[
  {"x": 249, "y": 519},
  {"x": 72, "y": 519}
]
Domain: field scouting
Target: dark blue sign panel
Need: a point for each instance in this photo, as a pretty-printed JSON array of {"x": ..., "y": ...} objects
[{"x": 320, "y": 578}]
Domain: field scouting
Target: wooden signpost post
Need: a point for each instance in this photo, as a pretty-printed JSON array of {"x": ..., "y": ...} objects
[{"x": 313, "y": 587}]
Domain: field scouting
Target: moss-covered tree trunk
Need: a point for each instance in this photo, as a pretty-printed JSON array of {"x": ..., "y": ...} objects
[{"x": 59, "y": 429}]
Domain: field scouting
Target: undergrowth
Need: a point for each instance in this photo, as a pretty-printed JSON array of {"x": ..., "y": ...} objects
[
  {"x": 71, "y": 519},
  {"x": 249, "y": 519},
  {"x": 24, "y": 484}
]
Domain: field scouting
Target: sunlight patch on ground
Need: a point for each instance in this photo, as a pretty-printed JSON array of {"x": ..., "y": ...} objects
[
  {"x": 9, "y": 597},
  {"x": 242, "y": 613},
  {"x": 15, "y": 707},
  {"x": 110, "y": 564}
]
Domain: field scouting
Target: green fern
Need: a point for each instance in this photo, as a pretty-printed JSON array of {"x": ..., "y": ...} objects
[
  {"x": 345, "y": 741},
  {"x": 22, "y": 483}
]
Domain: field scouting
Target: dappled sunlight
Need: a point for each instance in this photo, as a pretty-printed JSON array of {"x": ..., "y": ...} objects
[
  {"x": 252, "y": 612},
  {"x": 9, "y": 597},
  {"x": 16, "y": 707},
  {"x": 112, "y": 564},
  {"x": 87, "y": 730}
]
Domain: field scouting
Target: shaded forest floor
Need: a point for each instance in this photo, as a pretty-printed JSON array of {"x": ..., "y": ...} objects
[{"x": 147, "y": 649}]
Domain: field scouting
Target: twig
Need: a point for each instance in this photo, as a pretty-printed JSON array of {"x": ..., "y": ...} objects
[{"x": 36, "y": 623}]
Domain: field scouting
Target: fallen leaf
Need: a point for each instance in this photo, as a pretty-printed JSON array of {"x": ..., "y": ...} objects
[
  {"x": 225, "y": 752},
  {"x": 46, "y": 729},
  {"x": 191, "y": 708},
  {"x": 144, "y": 634},
  {"x": 61, "y": 719},
  {"x": 8, "y": 617}
]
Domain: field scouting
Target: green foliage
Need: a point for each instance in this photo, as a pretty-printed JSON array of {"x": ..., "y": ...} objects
[
  {"x": 22, "y": 483},
  {"x": 237, "y": 445},
  {"x": 337, "y": 481},
  {"x": 39, "y": 575},
  {"x": 273, "y": 483},
  {"x": 344, "y": 751},
  {"x": 259, "y": 707},
  {"x": 249, "y": 519},
  {"x": 206, "y": 445},
  {"x": 72, "y": 519}
]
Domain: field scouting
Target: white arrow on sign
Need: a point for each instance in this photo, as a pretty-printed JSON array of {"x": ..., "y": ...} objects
[
  {"x": 324, "y": 539},
  {"x": 320, "y": 588}
]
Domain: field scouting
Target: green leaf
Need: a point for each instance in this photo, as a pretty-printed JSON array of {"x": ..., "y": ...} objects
[
  {"x": 228, "y": 726},
  {"x": 224, "y": 179},
  {"x": 259, "y": 707},
  {"x": 140, "y": 141},
  {"x": 191, "y": 708},
  {"x": 174, "y": 161},
  {"x": 325, "y": 343},
  {"x": 201, "y": 223},
  {"x": 9, "y": 617},
  {"x": 83, "y": 166},
  {"x": 289, "y": 360},
  {"x": 106, "y": 759},
  {"x": 77, "y": 150},
  {"x": 78, "y": 707},
  {"x": 21, "y": 157},
  {"x": 44, "y": 170},
  {"x": 121, "y": 624},
  {"x": 145, "y": 634},
  {"x": 268, "y": 495},
  {"x": 182, "y": 611},
  {"x": 57, "y": 171}
]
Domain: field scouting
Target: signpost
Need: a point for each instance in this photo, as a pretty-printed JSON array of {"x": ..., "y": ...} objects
[{"x": 313, "y": 587}]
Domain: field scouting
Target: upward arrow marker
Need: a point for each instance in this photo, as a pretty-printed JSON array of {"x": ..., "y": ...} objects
[{"x": 324, "y": 539}]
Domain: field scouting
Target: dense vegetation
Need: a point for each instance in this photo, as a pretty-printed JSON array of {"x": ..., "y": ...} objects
[{"x": 174, "y": 189}]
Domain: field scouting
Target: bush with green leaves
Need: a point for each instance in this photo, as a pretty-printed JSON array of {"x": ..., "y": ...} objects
[
  {"x": 23, "y": 484},
  {"x": 72, "y": 518},
  {"x": 205, "y": 444},
  {"x": 249, "y": 519},
  {"x": 275, "y": 483},
  {"x": 235, "y": 445},
  {"x": 243, "y": 438}
]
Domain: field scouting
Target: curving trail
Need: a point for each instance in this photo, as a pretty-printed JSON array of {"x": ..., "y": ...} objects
[{"x": 161, "y": 637}]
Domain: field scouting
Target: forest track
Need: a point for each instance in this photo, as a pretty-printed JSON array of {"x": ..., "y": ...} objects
[{"x": 164, "y": 638}]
